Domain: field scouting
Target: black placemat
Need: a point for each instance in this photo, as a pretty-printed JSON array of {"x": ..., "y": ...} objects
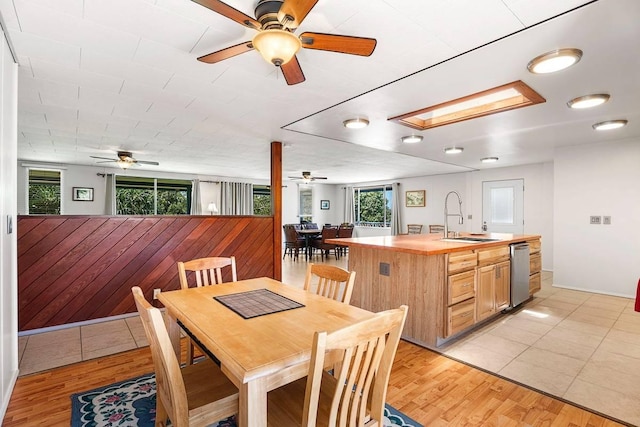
[{"x": 256, "y": 303}]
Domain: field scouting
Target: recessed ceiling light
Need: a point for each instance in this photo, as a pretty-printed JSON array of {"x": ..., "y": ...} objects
[
  {"x": 555, "y": 60},
  {"x": 356, "y": 123},
  {"x": 588, "y": 101},
  {"x": 411, "y": 139},
  {"x": 453, "y": 150},
  {"x": 610, "y": 124},
  {"x": 489, "y": 159}
]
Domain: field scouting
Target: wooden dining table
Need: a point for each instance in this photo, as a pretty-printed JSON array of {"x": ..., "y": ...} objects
[{"x": 261, "y": 353}]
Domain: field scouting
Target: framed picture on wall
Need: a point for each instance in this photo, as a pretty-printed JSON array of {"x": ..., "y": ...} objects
[
  {"x": 83, "y": 194},
  {"x": 324, "y": 205},
  {"x": 415, "y": 199}
]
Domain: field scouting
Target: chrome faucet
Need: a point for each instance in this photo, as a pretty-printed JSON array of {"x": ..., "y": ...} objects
[{"x": 447, "y": 214}]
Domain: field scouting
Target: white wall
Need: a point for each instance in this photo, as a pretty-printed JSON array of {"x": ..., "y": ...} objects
[
  {"x": 8, "y": 242},
  {"x": 538, "y": 201},
  {"x": 600, "y": 179}
]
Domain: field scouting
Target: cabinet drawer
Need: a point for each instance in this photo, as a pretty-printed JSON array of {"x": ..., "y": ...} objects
[
  {"x": 461, "y": 261},
  {"x": 534, "y": 246},
  {"x": 493, "y": 255},
  {"x": 460, "y": 316},
  {"x": 534, "y": 283},
  {"x": 461, "y": 287},
  {"x": 535, "y": 263}
]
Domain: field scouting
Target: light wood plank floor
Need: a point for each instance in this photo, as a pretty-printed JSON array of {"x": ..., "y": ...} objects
[{"x": 431, "y": 388}]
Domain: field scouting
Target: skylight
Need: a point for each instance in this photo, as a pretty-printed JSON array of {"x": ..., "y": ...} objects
[{"x": 502, "y": 98}]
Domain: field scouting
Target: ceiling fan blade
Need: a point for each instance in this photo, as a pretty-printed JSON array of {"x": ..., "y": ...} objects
[
  {"x": 293, "y": 12},
  {"x": 292, "y": 72},
  {"x": 226, "y": 53},
  {"x": 231, "y": 13},
  {"x": 103, "y": 158},
  {"x": 319, "y": 177},
  {"x": 362, "y": 46},
  {"x": 144, "y": 162}
]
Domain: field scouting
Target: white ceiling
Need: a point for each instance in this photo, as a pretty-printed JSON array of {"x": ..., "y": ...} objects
[{"x": 97, "y": 76}]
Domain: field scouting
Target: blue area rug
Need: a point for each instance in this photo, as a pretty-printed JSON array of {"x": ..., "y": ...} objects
[{"x": 132, "y": 403}]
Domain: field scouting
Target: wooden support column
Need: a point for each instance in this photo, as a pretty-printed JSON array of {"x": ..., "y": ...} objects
[{"x": 276, "y": 207}]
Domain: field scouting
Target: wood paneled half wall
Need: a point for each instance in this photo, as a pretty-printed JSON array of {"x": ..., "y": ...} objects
[{"x": 78, "y": 268}]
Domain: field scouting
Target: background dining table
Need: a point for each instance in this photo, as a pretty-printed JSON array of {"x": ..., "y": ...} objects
[{"x": 257, "y": 354}]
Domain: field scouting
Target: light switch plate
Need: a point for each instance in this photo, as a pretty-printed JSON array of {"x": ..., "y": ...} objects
[
  {"x": 595, "y": 220},
  {"x": 606, "y": 220},
  {"x": 385, "y": 269}
]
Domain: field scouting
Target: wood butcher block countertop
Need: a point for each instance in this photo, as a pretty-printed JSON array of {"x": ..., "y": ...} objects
[{"x": 432, "y": 244}]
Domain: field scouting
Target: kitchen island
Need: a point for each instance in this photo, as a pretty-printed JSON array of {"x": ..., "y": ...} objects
[{"x": 450, "y": 286}]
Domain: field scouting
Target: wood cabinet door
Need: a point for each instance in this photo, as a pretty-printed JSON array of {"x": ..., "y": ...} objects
[
  {"x": 503, "y": 285},
  {"x": 485, "y": 292}
]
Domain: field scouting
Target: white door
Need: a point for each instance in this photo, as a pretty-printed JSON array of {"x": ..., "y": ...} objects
[{"x": 503, "y": 206}]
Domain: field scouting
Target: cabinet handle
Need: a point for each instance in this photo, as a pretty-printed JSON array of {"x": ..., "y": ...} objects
[
  {"x": 466, "y": 285},
  {"x": 467, "y": 314}
]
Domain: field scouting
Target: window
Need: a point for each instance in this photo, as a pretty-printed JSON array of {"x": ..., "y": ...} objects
[
  {"x": 152, "y": 196},
  {"x": 372, "y": 206},
  {"x": 306, "y": 203},
  {"x": 44, "y": 192},
  {"x": 262, "y": 200}
]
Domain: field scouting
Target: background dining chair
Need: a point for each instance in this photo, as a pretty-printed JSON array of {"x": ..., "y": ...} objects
[
  {"x": 323, "y": 245},
  {"x": 354, "y": 392},
  {"x": 293, "y": 242},
  {"x": 330, "y": 281},
  {"x": 414, "y": 228},
  {"x": 344, "y": 231},
  {"x": 207, "y": 271},
  {"x": 196, "y": 395},
  {"x": 436, "y": 228}
]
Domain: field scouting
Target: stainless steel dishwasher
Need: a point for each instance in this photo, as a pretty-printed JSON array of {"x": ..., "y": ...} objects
[{"x": 519, "y": 273}]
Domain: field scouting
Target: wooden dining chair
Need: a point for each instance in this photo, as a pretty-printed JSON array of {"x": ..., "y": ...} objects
[
  {"x": 196, "y": 395},
  {"x": 207, "y": 271},
  {"x": 330, "y": 281},
  {"x": 353, "y": 392},
  {"x": 414, "y": 228},
  {"x": 325, "y": 247}
]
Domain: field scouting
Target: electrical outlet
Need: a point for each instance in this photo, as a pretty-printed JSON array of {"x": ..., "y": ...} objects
[
  {"x": 385, "y": 269},
  {"x": 595, "y": 220},
  {"x": 156, "y": 292},
  {"x": 606, "y": 220}
]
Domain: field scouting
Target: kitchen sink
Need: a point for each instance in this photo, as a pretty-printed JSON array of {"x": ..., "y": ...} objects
[{"x": 469, "y": 239}]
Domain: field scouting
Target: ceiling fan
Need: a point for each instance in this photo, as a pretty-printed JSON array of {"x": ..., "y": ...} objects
[
  {"x": 306, "y": 177},
  {"x": 276, "y": 21},
  {"x": 125, "y": 160}
]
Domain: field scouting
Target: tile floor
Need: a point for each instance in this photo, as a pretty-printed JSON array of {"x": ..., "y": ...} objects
[{"x": 579, "y": 346}]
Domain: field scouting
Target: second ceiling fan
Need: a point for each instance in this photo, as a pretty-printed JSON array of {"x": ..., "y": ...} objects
[{"x": 276, "y": 22}]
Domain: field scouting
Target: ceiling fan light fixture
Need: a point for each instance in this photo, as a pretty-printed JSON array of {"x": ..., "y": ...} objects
[
  {"x": 453, "y": 150},
  {"x": 588, "y": 101},
  {"x": 124, "y": 164},
  {"x": 489, "y": 159},
  {"x": 411, "y": 139},
  {"x": 356, "y": 123},
  {"x": 555, "y": 60},
  {"x": 276, "y": 46},
  {"x": 610, "y": 125}
]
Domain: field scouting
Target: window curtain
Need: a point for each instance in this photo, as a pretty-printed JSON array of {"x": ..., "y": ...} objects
[
  {"x": 110, "y": 194},
  {"x": 349, "y": 206},
  {"x": 396, "y": 223},
  {"x": 196, "y": 205},
  {"x": 236, "y": 198}
]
